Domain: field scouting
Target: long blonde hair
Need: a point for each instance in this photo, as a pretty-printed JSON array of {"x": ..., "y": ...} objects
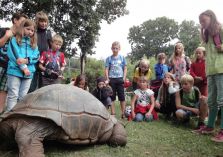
[
  {"x": 214, "y": 27},
  {"x": 195, "y": 55},
  {"x": 164, "y": 88},
  {"x": 174, "y": 55},
  {"x": 20, "y": 33}
]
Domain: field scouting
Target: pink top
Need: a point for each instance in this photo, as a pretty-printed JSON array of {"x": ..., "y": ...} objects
[{"x": 179, "y": 67}]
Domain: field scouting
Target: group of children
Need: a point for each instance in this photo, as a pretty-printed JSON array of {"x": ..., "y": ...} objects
[
  {"x": 185, "y": 88},
  {"x": 31, "y": 57}
]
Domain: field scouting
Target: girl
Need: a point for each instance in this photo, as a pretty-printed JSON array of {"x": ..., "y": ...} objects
[
  {"x": 197, "y": 70},
  {"x": 142, "y": 70},
  {"x": 165, "y": 102},
  {"x": 44, "y": 38},
  {"x": 179, "y": 62},
  {"x": 144, "y": 100},
  {"x": 23, "y": 54},
  {"x": 212, "y": 33},
  {"x": 81, "y": 82}
]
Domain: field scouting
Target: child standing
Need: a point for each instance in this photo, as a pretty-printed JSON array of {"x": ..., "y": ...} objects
[
  {"x": 145, "y": 102},
  {"x": 161, "y": 68},
  {"x": 179, "y": 63},
  {"x": 142, "y": 70},
  {"x": 103, "y": 92},
  {"x": 115, "y": 72},
  {"x": 44, "y": 38},
  {"x": 52, "y": 63},
  {"x": 165, "y": 102},
  {"x": 212, "y": 33},
  {"x": 23, "y": 54},
  {"x": 189, "y": 102},
  {"x": 81, "y": 82},
  {"x": 5, "y": 35},
  {"x": 197, "y": 70}
]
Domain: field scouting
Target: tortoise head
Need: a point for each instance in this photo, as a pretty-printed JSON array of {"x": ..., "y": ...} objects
[{"x": 119, "y": 135}]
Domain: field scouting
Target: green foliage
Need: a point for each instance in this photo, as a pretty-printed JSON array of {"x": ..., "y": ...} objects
[
  {"x": 152, "y": 37},
  {"x": 94, "y": 68},
  {"x": 155, "y": 36},
  {"x": 189, "y": 35}
]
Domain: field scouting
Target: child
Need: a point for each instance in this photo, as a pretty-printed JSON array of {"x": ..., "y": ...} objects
[
  {"x": 144, "y": 100},
  {"x": 103, "y": 92},
  {"x": 52, "y": 63},
  {"x": 81, "y": 82},
  {"x": 115, "y": 72},
  {"x": 44, "y": 38},
  {"x": 189, "y": 102},
  {"x": 5, "y": 35},
  {"x": 161, "y": 68},
  {"x": 197, "y": 70},
  {"x": 23, "y": 54},
  {"x": 165, "y": 102},
  {"x": 142, "y": 70},
  {"x": 212, "y": 33},
  {"x": 179, "y": 63}
]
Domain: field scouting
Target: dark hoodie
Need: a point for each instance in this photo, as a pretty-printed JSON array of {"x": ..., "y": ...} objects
[{"x": 44, "y": 37}]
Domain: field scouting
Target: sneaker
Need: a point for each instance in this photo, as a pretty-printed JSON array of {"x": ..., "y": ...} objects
[
  {"x": 198, "y": 129},
  {"x": 218, "y": 137},
  {"x": 203, "y": 130}
]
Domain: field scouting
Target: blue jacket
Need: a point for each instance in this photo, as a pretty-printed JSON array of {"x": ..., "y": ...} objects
[
  {"x": 160, "y": 70},
  {"x": 21, "y": 51}
]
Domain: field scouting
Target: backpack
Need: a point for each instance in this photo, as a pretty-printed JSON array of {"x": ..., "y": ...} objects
[
  {"x": 3, "y": 50},
  {"x": 52, "y": 65},
  {"x": 187, "y": 60},
  {"x": 109, "y": 60}
]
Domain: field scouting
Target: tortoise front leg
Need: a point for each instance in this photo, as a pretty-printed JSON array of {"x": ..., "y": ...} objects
[
  {"x": 30, "y": 147},
  {"x": 30, "y": 133}
]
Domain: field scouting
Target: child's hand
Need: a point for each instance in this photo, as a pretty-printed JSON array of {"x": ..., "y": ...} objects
[
  {"x": 9, "y": 33},
  {"x": 148, "y": 115},
  {"x": 21, "y": 61},
  {"x": 220, "y": 48},
  {"x": 195, "y": 111},
  {"x": 26, "y": 72},
  {"x": 133, "y": 115},
  {"x": 157, "y": 105},
  {"x": 199, "y": 78}
]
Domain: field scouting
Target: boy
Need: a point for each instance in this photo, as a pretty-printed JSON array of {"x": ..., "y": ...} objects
[
  {"x": 5, "y": 35},
  {"x": 189, "y": 102},
  {"x": 44, "y": 37},
  {"x": 52, "y": 62},
  {"x": 161, "y": 68},
  {"x": 103, "y": 92},
  {"x": 115, "y": 72}
]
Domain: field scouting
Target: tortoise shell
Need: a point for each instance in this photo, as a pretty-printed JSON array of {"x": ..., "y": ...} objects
[{"x": 78, "y": 112}]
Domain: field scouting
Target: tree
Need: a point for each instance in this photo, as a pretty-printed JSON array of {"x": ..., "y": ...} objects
[
  {"x": 189, "y": 35},
  {"x": 152, "y": 37},
  {"x": 75, "y": 20}
]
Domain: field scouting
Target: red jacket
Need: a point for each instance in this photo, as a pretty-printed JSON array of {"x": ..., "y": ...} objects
[{"x": 198, "y": 69}]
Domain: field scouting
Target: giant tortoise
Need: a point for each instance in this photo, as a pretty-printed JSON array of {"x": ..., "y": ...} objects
[{"x": 60, "y": 112}]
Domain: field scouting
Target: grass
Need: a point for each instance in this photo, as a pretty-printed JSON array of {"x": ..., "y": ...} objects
[{"x": 156, "y": 139}]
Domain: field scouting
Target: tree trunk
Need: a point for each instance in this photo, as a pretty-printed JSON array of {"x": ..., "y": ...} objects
[{"x": 82, "y": 60}]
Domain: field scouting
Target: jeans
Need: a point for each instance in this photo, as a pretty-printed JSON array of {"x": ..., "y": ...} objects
[
  {"x": 140, "y": 117},
  {"x": 17, "y": 89}
]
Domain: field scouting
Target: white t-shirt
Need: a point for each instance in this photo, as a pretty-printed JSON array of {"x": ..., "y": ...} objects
[{"x": 143, "y": 96}]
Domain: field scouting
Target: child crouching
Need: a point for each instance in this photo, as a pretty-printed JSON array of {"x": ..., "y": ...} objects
[
  {"x": 103, "y": 92},
  {"x": 145, "y": 102},
  {"x": 189, "y": 102}
]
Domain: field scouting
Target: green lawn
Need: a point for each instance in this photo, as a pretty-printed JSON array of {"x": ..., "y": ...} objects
[{"x": 155, "y": 139}]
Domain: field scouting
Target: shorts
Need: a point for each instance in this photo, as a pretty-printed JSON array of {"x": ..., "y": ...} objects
[
  {"x": 186, "y": 113},
  {"x": 117, "y": 85},
  {"x": 3, "y": 79}
]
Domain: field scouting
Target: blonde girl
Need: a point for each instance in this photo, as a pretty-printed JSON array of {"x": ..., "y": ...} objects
[{"x": 23, "y": 55}]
